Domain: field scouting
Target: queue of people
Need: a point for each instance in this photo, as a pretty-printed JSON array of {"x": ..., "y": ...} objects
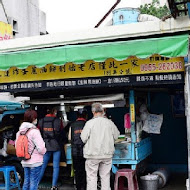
[{"x": 92, "y": 145}]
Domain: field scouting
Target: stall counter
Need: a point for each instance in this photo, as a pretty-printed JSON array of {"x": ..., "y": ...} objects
[{"x": 124, "y": 152}]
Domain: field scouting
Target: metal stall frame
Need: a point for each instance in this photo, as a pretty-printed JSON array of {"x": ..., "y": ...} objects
[
  {"x": 134, "y": 152},
  {"x": 187, "y": 111}
]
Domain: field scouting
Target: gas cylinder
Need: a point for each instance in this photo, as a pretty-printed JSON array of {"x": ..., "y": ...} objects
[{"x": 163, "y": 175}]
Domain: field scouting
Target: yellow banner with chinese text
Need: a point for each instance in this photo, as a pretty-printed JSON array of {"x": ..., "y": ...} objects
[{"x": 110, "y": 67}]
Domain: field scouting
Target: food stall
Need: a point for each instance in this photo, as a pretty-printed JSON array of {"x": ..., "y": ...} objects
[
  {"x": 63, "y": 73},
  {"x": 128, "y": 151}
]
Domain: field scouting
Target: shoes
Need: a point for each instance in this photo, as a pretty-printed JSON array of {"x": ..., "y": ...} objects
[{"x": 54, "y": 188}]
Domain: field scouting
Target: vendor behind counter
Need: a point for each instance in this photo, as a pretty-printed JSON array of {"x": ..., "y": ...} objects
[{"x": 115, "y": 114}]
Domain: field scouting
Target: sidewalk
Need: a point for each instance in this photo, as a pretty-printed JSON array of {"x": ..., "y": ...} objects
[
  {"x": 66, "y": 184},
  {"x": 175, "y": 182},
  {"x": 63, "y": 187}
]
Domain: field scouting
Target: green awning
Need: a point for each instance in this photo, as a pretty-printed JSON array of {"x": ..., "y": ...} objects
[{"x": 175, "y": 46}]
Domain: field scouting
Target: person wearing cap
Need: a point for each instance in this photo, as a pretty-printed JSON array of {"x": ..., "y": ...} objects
[
  {"x": 99, "y": 134},
  {"x": 77, "y": 149}
]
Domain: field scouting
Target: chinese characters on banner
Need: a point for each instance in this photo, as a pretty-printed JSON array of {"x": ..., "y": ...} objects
[
  {"x": 110, "y": 67},
  {"x": 131, "y": 80},
  {"x": 132, "y": 71}
]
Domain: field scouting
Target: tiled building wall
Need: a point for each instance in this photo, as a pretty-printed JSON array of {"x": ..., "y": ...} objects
[{"x": 24, "y": 16}]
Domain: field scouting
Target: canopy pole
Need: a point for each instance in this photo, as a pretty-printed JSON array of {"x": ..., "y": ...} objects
[
  {"x": 132, "y": 119},
  {"x": 132, "y": 115},
  {"x": 187, "y": 113}
]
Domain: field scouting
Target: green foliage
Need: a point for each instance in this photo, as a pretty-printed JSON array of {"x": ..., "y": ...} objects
[
  {"x": 181, "y": 6},
  {"x": 155, "y": 9}
]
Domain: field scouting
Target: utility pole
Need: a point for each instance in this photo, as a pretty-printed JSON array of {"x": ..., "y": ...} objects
[{"x": 113, "y": 7}]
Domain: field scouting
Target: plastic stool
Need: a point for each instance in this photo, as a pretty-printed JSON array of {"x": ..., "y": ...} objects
[
  {"x": 131, "y": 178},
  {"x": 8, "y": 184}
]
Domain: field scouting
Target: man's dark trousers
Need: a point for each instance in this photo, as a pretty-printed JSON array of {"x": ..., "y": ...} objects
[{"x": 80, "y": 173}]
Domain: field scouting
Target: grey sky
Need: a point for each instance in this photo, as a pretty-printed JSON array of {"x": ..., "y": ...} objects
[{"x": 70, "y": 15}]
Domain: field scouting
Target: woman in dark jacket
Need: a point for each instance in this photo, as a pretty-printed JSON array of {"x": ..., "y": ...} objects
[{"x": 51, "y": 129}]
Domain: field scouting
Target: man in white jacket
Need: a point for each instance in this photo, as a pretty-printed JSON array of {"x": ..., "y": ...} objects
[{"x": 99, "y": 135}]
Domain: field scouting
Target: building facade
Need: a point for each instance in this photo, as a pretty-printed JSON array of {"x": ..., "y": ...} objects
[{"x": 24, "y": 16}]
